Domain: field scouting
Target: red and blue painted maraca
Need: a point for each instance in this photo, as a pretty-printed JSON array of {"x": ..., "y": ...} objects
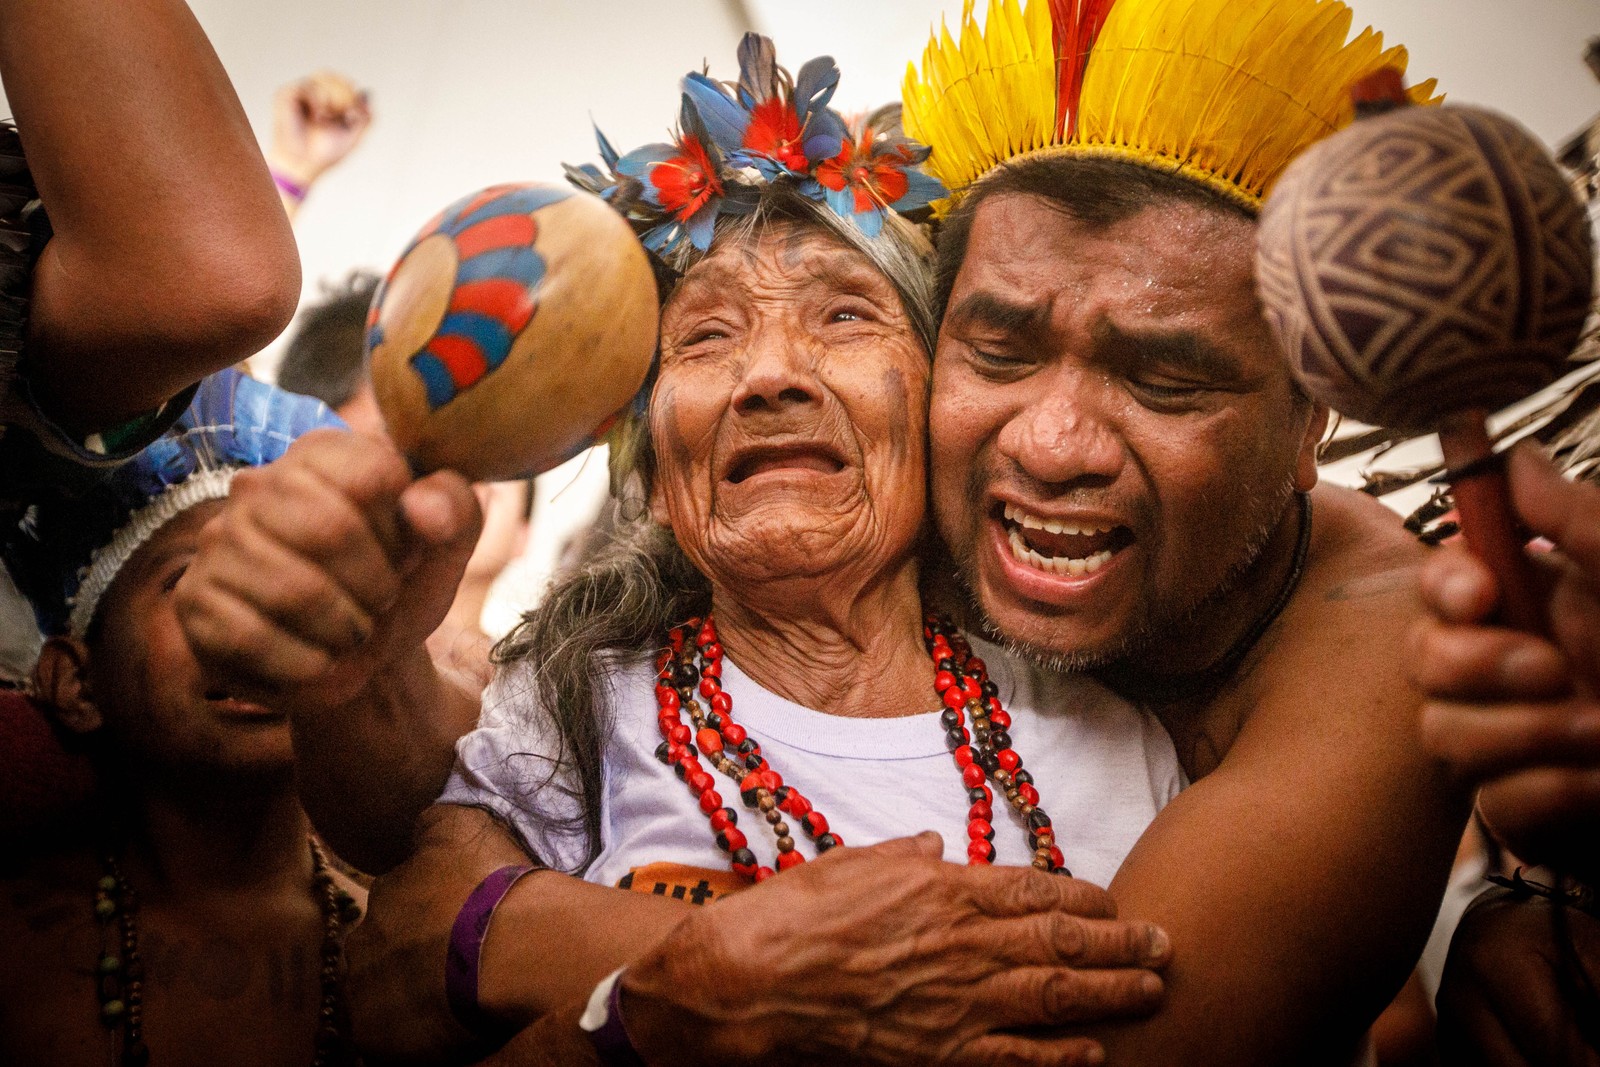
[
  {"x": 1424, "y": 268},
  {"x": 512, "y": 330}
]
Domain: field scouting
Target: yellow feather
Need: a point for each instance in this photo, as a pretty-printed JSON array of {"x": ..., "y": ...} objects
[{"x": 1227, "y": 92}]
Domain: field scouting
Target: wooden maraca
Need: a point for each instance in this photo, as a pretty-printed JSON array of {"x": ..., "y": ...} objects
[
  {"x": 1422, "y": 269},
  {"x": 512, "y": 331}
]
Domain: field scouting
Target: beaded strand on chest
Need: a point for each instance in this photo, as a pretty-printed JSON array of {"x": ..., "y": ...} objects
[{"x": 689, "y": 671}]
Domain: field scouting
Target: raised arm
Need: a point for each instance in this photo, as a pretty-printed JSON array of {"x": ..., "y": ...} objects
[
  {"x": 171, "y": 256},
  {"x": 1300, "y": 878},
  {"x": 314, "y": 590}
]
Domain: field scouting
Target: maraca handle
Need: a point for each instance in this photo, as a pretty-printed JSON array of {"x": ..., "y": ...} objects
[{"x": 1483, "y": 505}]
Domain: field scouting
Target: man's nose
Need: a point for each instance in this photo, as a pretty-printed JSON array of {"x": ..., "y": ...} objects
[
  {"x": 1064, "y": 438},
  {"x": 780, "y": 373}
]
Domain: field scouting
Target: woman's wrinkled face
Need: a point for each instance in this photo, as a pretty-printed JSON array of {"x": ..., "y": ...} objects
[{"x": 790, "y": 416}]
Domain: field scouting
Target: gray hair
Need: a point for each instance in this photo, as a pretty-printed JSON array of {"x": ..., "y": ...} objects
[{"x": 623, "y": 599}]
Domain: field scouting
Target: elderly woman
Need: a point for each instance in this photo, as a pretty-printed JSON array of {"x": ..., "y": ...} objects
[{"x": 748, "y": 678}]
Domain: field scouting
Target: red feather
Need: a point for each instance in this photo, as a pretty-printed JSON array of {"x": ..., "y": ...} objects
[
  {"x": 1076, "y": 25},
  {"x": 774, "y": 131}
]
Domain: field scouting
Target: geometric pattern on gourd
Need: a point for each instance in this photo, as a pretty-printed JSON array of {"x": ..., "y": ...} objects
[
  {"x": 1425, "y": 262},
  {"x": 493, "y": 294}
]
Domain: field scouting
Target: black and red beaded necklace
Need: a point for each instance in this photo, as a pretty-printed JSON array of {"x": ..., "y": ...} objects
[{"x": 691, "y": 664}]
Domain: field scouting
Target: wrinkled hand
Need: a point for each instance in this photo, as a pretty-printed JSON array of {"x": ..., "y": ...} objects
[
  {"x": 316, "y": 122},
  {"x": 886, "y": 954},
  {"x": 1516, "y": 712},
  {"x": 323, "y": 567},
  {"x": 1502, "y": 1002}
]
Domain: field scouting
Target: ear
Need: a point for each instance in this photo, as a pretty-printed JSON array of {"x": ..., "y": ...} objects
[
  {"x": 61, "y": 679},
  {"x": 1305, "y": 465},
  {"x": 658, "y": 504}
]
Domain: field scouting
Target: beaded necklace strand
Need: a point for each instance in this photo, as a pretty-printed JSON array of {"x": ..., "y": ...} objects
[
  {"x": 120, "y": 971},
  {"x": 691, "y": 665}
]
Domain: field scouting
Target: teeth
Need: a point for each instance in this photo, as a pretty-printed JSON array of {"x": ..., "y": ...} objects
[
  {"x": 1036, "y": 522},
  {"x": 1067, "y": 566}
]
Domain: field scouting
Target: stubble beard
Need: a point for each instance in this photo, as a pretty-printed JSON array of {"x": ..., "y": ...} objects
[{"x": 1160, "y": 626}]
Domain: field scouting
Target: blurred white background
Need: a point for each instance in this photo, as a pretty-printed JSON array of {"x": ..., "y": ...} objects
[{"x": 471, "y": 92}]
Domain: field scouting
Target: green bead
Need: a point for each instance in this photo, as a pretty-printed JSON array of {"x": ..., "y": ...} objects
[
  {"x": 105, "y": 908},
  {"x": 113, "y": 1009},
  {"x": 110, "y": 964},
  {"x": 107, "y": 884}
]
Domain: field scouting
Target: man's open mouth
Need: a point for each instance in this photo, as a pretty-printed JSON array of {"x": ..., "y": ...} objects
[
  {"x": 1060, "y": 546},
  {"x": 767, "y": 459}
]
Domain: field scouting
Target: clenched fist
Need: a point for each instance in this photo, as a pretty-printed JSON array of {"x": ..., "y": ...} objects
[{"x": 325, "y": 567}]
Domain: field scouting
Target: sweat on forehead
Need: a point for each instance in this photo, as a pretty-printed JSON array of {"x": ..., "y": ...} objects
[{"x": 1098, "y": 193}]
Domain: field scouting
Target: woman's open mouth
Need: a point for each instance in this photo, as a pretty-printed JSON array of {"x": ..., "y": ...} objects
[
  {"x": 775, "y": 459},
  {"x": 1061, "y": 546}
]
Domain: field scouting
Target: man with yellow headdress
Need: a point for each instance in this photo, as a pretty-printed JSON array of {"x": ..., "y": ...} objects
[{"x": 1124, "y": 471}]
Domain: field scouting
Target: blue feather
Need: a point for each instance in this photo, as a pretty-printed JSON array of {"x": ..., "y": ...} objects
[
  {"x": 871, "y": 222},
  {"x": 842, "y": 201},
  {"x": 701, "y": 226},
  {"x": 724, "y": 120},
  {"x": 637, "y": 164},
  {"x": 608, "y": 155},
  {"x": 814, "y": 86},
  {"x": 921, "y": 190}
]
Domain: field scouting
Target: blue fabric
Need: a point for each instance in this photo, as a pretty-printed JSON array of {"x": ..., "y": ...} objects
[{"x": 233, "y": 421}]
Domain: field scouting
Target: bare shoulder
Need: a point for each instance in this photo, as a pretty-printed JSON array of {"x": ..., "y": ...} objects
[{"x": 1360, "y": 552}]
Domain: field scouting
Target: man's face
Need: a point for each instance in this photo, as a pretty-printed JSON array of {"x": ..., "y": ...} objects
[
  {"x": 156, "y": 708},
  {"x": 1114, "y": 433}
]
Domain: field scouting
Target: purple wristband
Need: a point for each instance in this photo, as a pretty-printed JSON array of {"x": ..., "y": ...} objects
[
  {"x": 466, "y": 951},
  {"x": 293, "y": 190}
]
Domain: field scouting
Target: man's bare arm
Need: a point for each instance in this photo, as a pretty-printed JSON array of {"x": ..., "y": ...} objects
[
  {"x": 1299, "y": 879},
  {"x": 171, "y": 256}
]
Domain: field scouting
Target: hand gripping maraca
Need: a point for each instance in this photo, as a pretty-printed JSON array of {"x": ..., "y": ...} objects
[
  {"x": 1424, "y": 268},
  {"x": 514, "y": 328}
]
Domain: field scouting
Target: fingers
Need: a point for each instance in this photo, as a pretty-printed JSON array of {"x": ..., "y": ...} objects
[
  {"x": 1015, "y": 1050},
  {"x": 299, "y": 570},
  {"x": 1484, "y": 743},
  {"x": 442, "y": 509},
  {"x": 1466, "y": 662},
  {"x": 1457, "y": 586},
  {"x": 1053, "y": 996},
  {"x": 1566, "y": 512},
  {"x": 1559, "y": 805},
  {"x": 1012, "y": 891},
  {"x": 1055, "y": 938}
]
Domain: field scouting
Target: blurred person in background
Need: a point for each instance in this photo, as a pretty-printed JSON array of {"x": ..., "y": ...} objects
[
  {"x": 193, "y": 919},
  {"x": 316, "y": 122}
]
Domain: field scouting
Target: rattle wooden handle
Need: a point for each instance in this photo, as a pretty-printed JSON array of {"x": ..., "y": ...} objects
[{"x": 1483, "y": 504}]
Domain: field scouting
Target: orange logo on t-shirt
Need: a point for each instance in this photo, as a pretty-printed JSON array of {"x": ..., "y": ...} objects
[{"x": 695, "y": 885}]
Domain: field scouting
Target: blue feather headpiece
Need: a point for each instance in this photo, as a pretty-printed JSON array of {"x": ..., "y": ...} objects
[
  {"x": 67, "y": 550},
  {"x": 768, "y": 127}
]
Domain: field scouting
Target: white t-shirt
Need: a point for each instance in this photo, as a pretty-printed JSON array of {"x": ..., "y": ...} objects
[{"x": 1102, "y": 767}]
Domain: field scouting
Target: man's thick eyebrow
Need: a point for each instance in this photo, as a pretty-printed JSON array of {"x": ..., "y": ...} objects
[
  {"x": 997, "y": 313},
  {"x": 1180, "y": 350}
]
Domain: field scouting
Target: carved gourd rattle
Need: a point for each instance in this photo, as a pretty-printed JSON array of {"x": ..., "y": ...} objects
[{"x": 1423, "y": 268}]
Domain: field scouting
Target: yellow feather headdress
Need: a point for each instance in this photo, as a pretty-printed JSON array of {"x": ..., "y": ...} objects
[{"x": 1225, "y": 92}]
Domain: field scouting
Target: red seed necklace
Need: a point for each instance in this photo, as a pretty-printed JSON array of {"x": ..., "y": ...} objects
[{"x": 692, "y": 664}]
